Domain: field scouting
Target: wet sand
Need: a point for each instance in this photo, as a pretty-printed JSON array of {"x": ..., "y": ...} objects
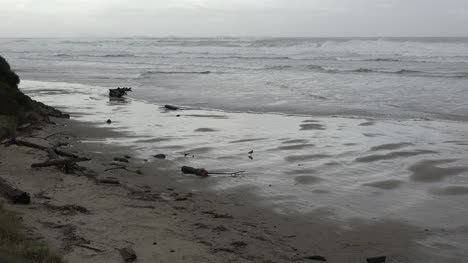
[
  {"x": 343, "y": 188},
  {"x": 166, "y": 220}
]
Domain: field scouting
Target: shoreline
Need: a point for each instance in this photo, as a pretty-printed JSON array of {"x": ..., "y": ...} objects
[{"x": 200, "y": 227}]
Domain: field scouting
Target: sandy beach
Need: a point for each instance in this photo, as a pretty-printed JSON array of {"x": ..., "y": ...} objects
[
  {"x": 86, "y": 221},
  {"x": 169, "y": 217}
]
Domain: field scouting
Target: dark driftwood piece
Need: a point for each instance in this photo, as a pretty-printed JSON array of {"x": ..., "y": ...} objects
[
  {"x": 29, "y": 144},
  {"x": 196, "y": 171},
  {"x": 90, "y": 248},
  {"x": 109, "y": 181},
  {"x": 202, "y": 172},
  {"x": 51, "y": 152},
  {"x": 123, "y": 168},
  {"x": 13, "y": 193},
  {"x": 119, "y": 92},
  {"x": 171, "y": 107},
  {"x": 60, "y": 162},
  {"x": 66, "y": 154},
  {"x": 128, "y": 254}
]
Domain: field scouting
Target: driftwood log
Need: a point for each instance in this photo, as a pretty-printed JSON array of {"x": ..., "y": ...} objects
[
  {"x": 109, "y": 180},
  {"x": 196, "y": 171},
  {"x": 171, "y": 107},
  {"x": 52, "y": 152},
  {"x": 60, "y": 162},
  {"x": 13, "y": 193},
  {"x": 119, "y": 92},
  {"x": 202, "y": 172}
]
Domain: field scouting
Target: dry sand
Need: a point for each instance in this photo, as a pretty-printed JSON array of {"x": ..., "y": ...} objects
[{"x": 86, "y": 221}]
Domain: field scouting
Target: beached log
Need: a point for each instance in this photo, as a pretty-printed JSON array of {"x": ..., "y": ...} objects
[
  {"x": 196, "y": 171},
  {"x": 109, "y": 180},
  {"x": 51, "y": 152},
  {"x": 60, "y": 162},
  {"x": 66, "y": 154},
  {"x": 29, "y": 144},
  {"x": 119, "y": 92},
  {"x": 128, "y": 254},
  {"x": 13, "y": 193},
  {"x": 171, "y": 107},
  {"x": 124, "y": 168}
]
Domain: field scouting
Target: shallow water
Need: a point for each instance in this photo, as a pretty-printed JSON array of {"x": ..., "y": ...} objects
[{"x": 351, "y": 167}]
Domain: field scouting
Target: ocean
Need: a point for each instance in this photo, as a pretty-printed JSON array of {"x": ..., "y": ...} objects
[{"x": 396, "y": 78}]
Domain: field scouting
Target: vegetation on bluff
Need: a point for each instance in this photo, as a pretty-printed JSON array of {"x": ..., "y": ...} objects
[{"x": 15, "y": 107}]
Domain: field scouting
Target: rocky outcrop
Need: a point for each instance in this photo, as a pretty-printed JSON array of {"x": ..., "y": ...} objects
[{"x": 16, "y": 108}]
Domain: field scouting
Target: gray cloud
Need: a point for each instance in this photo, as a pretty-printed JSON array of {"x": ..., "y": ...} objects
[{"x": 49, "y": 18}]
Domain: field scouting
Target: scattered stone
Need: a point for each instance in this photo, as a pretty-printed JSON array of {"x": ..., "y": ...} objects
[
  {"x": 128, "y": 254},
  {"x": 200, "y": 225},
  {"x": 251, "y": 152},
  {"x": 127, "y": 156},
  {"x": 178, "y": 115},
  {"x": 160, "y": 156},
  {"x": 68, "y": 209},
  {"x": 220, "y": 229},
  {"x": 109, "y": 121},
  {"x": 376, "y": 259},
  {"x": 238, "y": 244}
]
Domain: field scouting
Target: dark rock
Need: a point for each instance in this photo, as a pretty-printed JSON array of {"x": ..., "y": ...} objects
[
  {"x": 160, "y": 156},
  {"x": 376, "y": 259},
  {"x": 128, "y": 254},
  {"x": 109, "y": 121}
]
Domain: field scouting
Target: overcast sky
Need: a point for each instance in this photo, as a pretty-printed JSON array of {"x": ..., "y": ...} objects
[{"x": 314, "y": 18}]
